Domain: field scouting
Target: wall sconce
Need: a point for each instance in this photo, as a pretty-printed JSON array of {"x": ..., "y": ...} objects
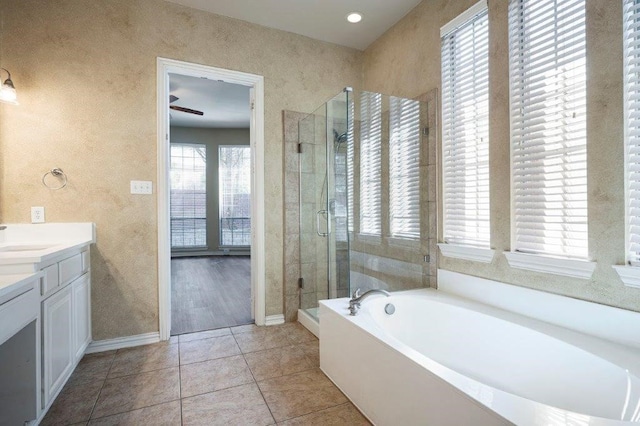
[{"x": 8, "y": 91}]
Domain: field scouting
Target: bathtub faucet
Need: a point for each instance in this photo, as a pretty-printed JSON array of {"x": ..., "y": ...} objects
[{"x": 357, "y": 298}]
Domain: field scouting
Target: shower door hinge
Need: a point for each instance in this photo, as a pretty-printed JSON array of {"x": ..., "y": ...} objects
[
  {"x": 427, "y": 259},
  {"x": 425, "y": 131},
  {"x": 300, "y": 282},
  {"x": 253, "y": 105},
  {"x": 299, "y": 148}
]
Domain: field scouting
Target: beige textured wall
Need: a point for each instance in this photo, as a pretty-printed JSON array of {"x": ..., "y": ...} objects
[
  {"x": 406, "y": 62},
  {"x": 86, "y": 78}
]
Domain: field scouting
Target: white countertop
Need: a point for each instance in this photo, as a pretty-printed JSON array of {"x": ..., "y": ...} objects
[
  {"x": 10, "y": 285},
  {"x": 42, "y": 243},
  {"x": 38, "y": 255}
]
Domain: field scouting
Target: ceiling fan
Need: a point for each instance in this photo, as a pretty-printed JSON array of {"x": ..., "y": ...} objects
[{"x": 173, "y": 98}]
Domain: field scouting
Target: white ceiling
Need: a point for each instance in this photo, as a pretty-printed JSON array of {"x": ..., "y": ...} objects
[
  {"x": 318, "y": 19},
  {"x": 225, "y": 105}
]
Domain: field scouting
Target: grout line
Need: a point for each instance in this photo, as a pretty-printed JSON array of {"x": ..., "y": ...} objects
[
  {"x": 102, "y": 387},
  {"x": 259, "y": 390},
  {"x": 136, "y": 409}
]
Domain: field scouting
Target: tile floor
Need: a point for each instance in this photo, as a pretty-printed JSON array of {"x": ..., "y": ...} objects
[{"x": 244, "y": 375}]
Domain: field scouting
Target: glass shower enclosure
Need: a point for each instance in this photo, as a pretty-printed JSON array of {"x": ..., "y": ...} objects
[
  {"x": 324, "y": 242},
  {"x": 367, "y": 191}
]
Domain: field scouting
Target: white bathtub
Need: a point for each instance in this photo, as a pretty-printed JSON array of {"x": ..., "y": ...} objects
[{"x": 445, "y": 360}]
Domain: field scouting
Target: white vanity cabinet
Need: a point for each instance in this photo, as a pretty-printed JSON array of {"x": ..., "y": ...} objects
[
  {"x": 57, "y": 341},
  {"x": 66, "y": 320},
  {"x": 58, "y": 253}
]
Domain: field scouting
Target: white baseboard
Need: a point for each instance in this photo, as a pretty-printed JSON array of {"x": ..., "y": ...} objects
[
  {"x": 274, "y": 319},
  {"x": 123, "y": 342}
]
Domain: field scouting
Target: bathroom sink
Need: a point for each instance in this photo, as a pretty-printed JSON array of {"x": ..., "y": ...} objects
[{"x": 25, "y": 247}]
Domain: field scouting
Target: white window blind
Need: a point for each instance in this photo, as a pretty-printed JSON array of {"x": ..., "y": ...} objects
[
  {"x": 370, "y": 163},
  {"x": 188, "y": 195},
  {"x": 465, "y": 124},
  {"x": 234, "y": 179},
  {"x": 404, "y": 167},
  {"x": 350, "y": 160},
  {"x": 631, "y": 16},
  {"x": 548, "y": 126}
]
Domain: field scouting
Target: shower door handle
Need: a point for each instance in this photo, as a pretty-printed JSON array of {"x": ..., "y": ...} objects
[{"x": 318, "y": 214}]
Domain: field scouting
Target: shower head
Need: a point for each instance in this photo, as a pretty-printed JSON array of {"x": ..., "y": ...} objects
[{"x": 339, "y": 138}]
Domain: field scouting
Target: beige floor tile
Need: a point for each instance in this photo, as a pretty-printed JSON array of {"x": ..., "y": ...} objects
[
  {"x": 162, "y": 414},
  {"x": 312, "y": 352},
  {"x": 345, "y": 414},
  {"x": 262, "y": 339},
  {"x": 213, "y": 375},
  {"x": 203, "y": 350},
  {"x": 93, "y": 367},
  {"x": 73, "y": 404},
  {"x": 141, "y": 359},
  {"x": 242, "y": 406},
  {"x": 137, "y": 391},
  {"x": 299, "y": 394},
  {"x": 190, "y": 337},
  {"x": 297, "y": 333},
  {"x": 244, "y": 328},
  {"x": 277, "y": 362}
]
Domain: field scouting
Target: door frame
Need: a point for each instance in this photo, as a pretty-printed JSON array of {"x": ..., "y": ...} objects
[{"x": 258, "y": 273}]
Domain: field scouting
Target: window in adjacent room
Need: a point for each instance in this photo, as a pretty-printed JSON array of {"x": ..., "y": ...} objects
[
  {"x": 234, "y": 180},
  {"x": 188, "y": 197},
  {"x": 465, "y": 128},
  {"x": 548, "y": 127}
]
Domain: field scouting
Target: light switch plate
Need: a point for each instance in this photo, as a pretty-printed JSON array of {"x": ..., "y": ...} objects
[
  {"x": 141, "y": 187},
  {"x": 37, "y": 214}
]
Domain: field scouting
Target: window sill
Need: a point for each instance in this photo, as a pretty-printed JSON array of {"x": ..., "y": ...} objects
[
  {"x": 552, "y": 265},
  {"x": 475, "y": 254},
  {"x": 404, "y": 242},
  {"x": 369, "y": 238},
  {"x": 630, "y": 275}
]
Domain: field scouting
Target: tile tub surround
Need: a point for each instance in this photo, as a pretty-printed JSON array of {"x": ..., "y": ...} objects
[{"x": 273, "y": 378}]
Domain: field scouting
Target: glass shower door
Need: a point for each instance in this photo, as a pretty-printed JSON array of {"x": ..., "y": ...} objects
[
  {"x": 314, "y": 214},
  {"x": 324, "y": 246}
]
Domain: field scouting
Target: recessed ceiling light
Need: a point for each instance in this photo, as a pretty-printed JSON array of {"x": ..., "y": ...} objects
[{"x": 354, "y": 17}]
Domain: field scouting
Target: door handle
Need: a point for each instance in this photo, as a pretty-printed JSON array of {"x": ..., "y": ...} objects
[{"x": 318, "y": 214}]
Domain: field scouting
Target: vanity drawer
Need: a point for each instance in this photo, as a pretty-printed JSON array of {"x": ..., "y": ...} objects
[
  {"x": 86, "y": 262},
  {"x": 50, "y": 280},
  {"x": 70, "y": 269}
]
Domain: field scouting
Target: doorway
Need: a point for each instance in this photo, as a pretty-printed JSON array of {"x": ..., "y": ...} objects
[{"x": 210, "y": 199}]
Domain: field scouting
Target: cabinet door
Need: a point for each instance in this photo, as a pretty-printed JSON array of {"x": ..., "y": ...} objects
[
  {"x": 81, "y": 315},
  {"x": 57, "y": 341}
]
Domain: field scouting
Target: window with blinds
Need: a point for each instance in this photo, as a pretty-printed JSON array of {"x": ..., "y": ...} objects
[
  {"x": 350, "y": 160},
  {"x": 234, "y": 179},
  {"x": 631, "y": 19},
  {"x": 404, "y": 168},
  {"x": 548, "y": 126},
  {"x": 188, "y": 196},
  {"x": 465, "y": 129},
  {"x": 370, "y": 163}
]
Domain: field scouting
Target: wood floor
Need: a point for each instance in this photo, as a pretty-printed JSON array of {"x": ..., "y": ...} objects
[{"x": 210, "y": 292}]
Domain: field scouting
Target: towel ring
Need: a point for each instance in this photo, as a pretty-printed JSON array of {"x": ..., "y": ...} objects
[{"x": 57, "y": 172}]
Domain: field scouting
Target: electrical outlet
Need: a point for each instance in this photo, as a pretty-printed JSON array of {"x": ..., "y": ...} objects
[
  {"x": 141, "y": 187},
  {"x": 37, "y": 214}
]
